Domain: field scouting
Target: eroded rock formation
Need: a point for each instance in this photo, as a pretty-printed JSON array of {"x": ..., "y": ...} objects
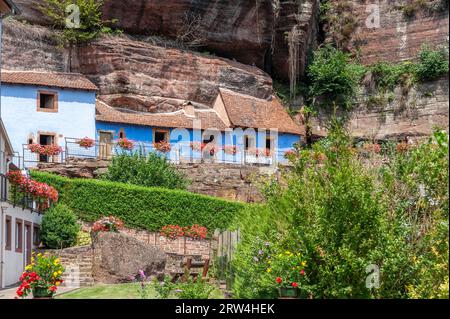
[
  {"x": 237, "y": 29},
  {"x": 118, "y": 257},
  {"x": 133, "y": 69}
]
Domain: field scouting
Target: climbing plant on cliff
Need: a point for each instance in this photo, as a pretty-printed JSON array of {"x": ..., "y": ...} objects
[{"x": 77, "y": 20}]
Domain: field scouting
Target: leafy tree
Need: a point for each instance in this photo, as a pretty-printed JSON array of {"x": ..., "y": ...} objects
[{"x": 342, "y": 213}]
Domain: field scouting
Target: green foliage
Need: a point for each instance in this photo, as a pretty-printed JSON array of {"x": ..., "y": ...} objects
[
  {"x": 193, "y": 289},
  {"x": 163, "y": 289},
  {"x": 83, "y": 238},
  {"x": 150, "y": 171},
  {"x": 334, "y": 77},
  {"x": 432, "y": 64},
  {"x": 141, "y": 207},
  {"x": 91, "y": 23},
  {"x": 342, "y": 214},
  {"x": 59, "y": 228},
  {"x": 388, "y": 75}
]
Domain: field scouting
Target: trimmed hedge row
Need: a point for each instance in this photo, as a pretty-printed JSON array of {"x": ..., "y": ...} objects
[{"x": 141, "y": 207}]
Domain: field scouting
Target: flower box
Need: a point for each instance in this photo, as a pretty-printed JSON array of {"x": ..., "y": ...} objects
[
  {"x": 86, "y": 143},
  {"x": 125, "y": 144}
]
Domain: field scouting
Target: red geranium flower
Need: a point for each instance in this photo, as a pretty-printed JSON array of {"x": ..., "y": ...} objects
[
  {"x": 294, "y": 284},
  {"x": 279, "y": 280},
  {"x": 302, "y": 272}
]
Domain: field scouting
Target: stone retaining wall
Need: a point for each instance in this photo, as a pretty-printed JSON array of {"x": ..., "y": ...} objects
[{"x": 229, "y": 181}]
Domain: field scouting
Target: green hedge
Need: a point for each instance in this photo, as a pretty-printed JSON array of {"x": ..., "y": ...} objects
[{"x": 141, "y": 207}]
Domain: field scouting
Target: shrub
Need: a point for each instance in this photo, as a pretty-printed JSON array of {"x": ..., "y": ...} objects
[
  {"x": 191, "y": 289},
  {"x": 59, "y": 228},
  {"x": 148, "y": 208},
  {"x": 150, "y": 171},
  {"x": 333, "y": 76},
  {"x": 388, "y": 75},
  {"x": 432, "y": 64},
  {"x": 164, "y": 288}
]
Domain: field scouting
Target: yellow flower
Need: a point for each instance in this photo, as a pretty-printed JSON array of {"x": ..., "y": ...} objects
[
  {"x": 58, "y": 283},
  {"x": 303, "y": 263},
  {"x": 29, "y": 267},
  {"x": 55, "y": 274},
  {"x": 269, "y": 270},
  {"x": 39, "y": 255},
  {"x": 59, "y": 272}
]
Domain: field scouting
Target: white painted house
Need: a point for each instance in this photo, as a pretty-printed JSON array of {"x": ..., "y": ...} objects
[
  {"x": 45, "y": 108},
  {"x": 19, "y": 227}
]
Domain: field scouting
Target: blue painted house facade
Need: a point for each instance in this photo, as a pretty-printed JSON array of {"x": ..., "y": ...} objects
[
  {"x": 238, "y": 129},
  {"x": 45, "y": 108}
]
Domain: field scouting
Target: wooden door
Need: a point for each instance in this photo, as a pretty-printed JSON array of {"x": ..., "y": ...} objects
[{"x": 105, "y": 145}]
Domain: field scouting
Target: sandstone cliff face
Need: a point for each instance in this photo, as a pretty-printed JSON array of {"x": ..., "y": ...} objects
[
  {"x": 32, "y": 47},
  {"x": 404, "y": 114},
  {"x": 235, "y": 29},
  {"x": 137, "y": 74},
  {"x": 399, "y": 36},
  {"x": 132, "y": 73}
]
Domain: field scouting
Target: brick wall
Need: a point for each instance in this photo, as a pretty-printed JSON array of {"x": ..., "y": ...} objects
[{"x": 180, "y": 246}]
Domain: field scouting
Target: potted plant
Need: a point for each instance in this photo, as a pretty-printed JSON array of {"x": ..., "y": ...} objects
[
  {"x": 108, "y": 224},
  {"x": 86, "y": 142},
  {"x": 125, "y": 144},
  {"x": 49, "y": 150},
  {"x": 41, "y": 278},
  {"x": 162, "y": 146},
  {"x": 290, "y": 275}
]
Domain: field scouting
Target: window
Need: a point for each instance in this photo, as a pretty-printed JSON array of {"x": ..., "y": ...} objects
[
  {"x": 160, "y": 136},
  {"x": 47, "y": 101},
  {"x": 122, "y": 133},
  {"x": 46, "y": 139},
  {"x": 249, "y": 142},
  {"x": 8, "y": 232},
  {"x": 268, "y": 143},
  {"x": 36, "y": 235},
  {"x": 19, "y": 235}
]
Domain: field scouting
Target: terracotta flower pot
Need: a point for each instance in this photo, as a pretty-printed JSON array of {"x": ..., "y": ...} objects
[{"x": 288, "y": 292}]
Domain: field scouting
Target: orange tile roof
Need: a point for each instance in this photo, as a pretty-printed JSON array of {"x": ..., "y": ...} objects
[
  {"x": 62, "y": 80},
  {"x": 250, "y": 112},
  {"x": 178, "y": 119}
]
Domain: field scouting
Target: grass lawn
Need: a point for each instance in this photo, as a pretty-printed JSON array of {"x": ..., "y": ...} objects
[{"x": 118, "y": 291}]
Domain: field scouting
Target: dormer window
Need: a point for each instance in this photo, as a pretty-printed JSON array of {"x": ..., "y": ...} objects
[{"x": 47, "y": 101}]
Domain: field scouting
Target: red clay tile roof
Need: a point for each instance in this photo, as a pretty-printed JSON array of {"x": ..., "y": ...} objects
[
  {"x": 250, "y": 112},
  {"x": 62, "y": 80},
  {"x": 178, "y": 119}
]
